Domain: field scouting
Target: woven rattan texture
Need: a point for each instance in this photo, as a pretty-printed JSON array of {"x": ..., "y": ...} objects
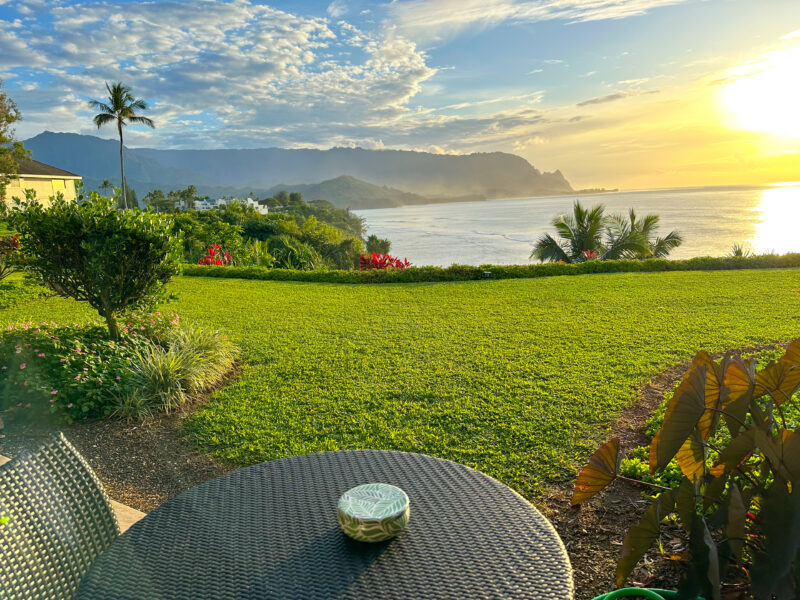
[
  {"x": 59, "y": 521},
  {"x": 270, "y": 532}
]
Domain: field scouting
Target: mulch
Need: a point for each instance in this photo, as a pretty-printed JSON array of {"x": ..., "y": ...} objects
[{"x": 144, "y": 465}]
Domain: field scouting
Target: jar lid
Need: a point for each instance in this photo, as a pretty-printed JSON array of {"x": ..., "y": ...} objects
[{"x": 373, "y": 501}]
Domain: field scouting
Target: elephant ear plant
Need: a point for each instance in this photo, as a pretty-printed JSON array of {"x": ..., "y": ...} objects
[
  {"x": 739, "y": 497},
  {"x": 115, "y": 260}
]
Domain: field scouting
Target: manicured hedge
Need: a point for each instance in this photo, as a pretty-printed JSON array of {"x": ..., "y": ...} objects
[{"x": 468, "y": 272}]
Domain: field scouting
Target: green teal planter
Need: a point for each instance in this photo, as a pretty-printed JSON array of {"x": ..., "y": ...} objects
[{"x": 373, "y": 512}]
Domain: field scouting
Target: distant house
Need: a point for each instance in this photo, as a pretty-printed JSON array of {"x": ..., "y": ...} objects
[
  {"x": 210, "y": 204},
  {"x": 45, "y": 180}
]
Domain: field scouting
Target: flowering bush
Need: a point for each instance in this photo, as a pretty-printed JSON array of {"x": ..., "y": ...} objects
[
  {"x": 589, "y": 254},
  {"x": 381, "y": 261},
  {"x": 73, "y": 370},
  {"x": 9, "y": 251},
  {"x": 213, "y": 256}
]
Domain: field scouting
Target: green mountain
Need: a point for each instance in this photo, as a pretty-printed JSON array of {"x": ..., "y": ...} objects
[{"x": 374, "y": 177}]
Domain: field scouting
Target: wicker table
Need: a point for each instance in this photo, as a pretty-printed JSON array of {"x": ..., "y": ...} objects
[{"x": 270, "y": 532}]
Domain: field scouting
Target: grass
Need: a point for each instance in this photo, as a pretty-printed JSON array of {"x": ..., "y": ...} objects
[{"x": 517, "y": 378}]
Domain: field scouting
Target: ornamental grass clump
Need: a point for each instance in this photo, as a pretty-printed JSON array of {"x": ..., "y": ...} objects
[
  {"x": 166, "y": 377},
  {"x": 729, "y": 427}
]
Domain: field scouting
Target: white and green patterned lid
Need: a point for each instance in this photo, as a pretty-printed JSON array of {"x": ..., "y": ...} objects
[{"x": 373, "y": 501}]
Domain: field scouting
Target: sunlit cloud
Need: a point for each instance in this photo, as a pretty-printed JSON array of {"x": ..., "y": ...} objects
[{"x": 430, "y": 20}]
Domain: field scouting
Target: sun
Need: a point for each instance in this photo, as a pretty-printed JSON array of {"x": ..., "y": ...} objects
[{"x": 763, "y": 95}]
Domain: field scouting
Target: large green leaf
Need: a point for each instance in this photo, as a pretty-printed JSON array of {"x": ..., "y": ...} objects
[
  {"x": 641, "y": 536},
  {"x": 775, "y": 565},
  {"x": 686, "y": 503},
  {"x": 739, "y": 380},
  {"x": 598, "y": 472},
  {"x": 735, "y": 528},
  {"x": 779, "y": 380},
  {"x": 716, "y": 393},
  {"x": 692, "y": 457},
  {"x": 683, "y": 412},
  {"x": 735, "y": 453},
  {"x": 783, "y": 454},
  {"x": 704, "y": 573}
]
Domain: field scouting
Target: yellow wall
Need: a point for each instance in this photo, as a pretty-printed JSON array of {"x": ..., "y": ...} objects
[{"x": 43, "y": 186}]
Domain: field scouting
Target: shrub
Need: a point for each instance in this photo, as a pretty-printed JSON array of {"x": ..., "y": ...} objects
[
  {"x": 255, "y": 253},
  {"x": 9, "y": 255},
  {"x": 115, "y": 260},
  {"x": 469, "y": 272},
  {"x": 215, "y": 256},
  {"x": 737, "y": 497},
  {"x": 378, "y": 245},
  {"x": 381, "y": 261},
  {"x": 73, "y": 371}
]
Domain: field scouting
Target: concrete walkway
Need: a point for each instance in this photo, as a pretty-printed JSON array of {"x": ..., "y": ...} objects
[{"x": 126, "y": 516}]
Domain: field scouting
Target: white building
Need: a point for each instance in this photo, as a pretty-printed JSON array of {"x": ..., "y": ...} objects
[{"x": 220, "y": 202}]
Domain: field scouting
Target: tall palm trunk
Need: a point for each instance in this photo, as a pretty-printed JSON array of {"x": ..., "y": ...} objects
[{"x": 122, "y": 166}]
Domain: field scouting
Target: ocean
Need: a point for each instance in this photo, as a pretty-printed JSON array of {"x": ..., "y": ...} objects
[{"x": 711, "y": 220}]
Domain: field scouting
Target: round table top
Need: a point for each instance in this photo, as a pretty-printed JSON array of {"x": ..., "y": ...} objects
[{"x": 270, "y": 532}]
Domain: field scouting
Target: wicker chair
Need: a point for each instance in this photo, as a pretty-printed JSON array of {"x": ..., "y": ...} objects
[{"x": 59, "y": 519}]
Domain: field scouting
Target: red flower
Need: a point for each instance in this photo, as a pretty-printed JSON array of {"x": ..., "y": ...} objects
[{"x": 381, "y": 261}]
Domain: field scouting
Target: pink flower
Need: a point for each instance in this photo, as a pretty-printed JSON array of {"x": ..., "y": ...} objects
[
  {"x": 77, "y": 377},
  {"x": 40, "y": 355},
  {"x": 54, "y": 392},
  {"x": 28, "y": 405},
  {"x": 63, "y": 359},
  {"x": 4, "y": 367},
  {"x": 25, "y": 383},
  {"x": 69, "y": 405},
  {"x": 117, "y": 377},
  {"x": 18, "y": 350},
  {"x": 22, "y": 366},
  {"x": 99, "y": 380},
  {"x": 52, "y": 400},
  {"x": 85, "y": 368}
]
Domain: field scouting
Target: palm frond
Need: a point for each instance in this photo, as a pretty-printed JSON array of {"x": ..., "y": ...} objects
[
  {"x": 142, "y": 121},
  {"x": 663, "y": 246},
  {"x": 103, "y": 119},
  {"x": 548, "y": 249}
]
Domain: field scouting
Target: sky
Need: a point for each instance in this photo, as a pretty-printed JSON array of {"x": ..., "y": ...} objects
[{"x": 623, "y": 94}]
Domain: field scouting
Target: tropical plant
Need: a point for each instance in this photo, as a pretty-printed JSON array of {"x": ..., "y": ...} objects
[
  {"x": 120, "y": 108},
  {"x": 588, "y": 234},
  {"x": 645, "y": 232},
  {"x": 215, "y": 256},
  {"x": 738, "y": 499},
  {"x": 378, "y": 245},
  {"x": 106, "y": 186},
  {"x": 117, "y": 261},
  {"x": 740, "y": 251},
  {"x": 381, "y": 261}
]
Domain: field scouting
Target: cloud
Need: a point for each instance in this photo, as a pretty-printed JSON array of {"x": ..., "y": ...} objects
[
  {"x": 616, "y": 96},
  {"x": 431, "y": 20},
  {"x": 230, "y": 68},
  {"x": 337, "y": 8}
]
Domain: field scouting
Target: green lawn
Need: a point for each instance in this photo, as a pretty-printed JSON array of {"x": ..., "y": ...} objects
[{"x": 517, "y": 378}]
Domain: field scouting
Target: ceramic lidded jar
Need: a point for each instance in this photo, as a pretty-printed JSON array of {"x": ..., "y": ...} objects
[{"x": 373, "y": 512}]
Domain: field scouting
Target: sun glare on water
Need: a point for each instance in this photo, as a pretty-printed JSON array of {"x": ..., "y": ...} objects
[
  {"x": 779, "y": 215},
  {"x": 764, "y": 95}
]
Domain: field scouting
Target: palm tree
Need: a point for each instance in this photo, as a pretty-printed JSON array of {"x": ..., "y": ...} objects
[
  {"x": 121, "y": 108},
  {"x": 581, "y": 235},
  {"x": 656, "y": 247},
  {"x": 106, "y": 185},
  {"x": 589, "y": 234}
]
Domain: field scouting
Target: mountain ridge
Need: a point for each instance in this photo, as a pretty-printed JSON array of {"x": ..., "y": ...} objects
[{"x": 410, "y": 177}]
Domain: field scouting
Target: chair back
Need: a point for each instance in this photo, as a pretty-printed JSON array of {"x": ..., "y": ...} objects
[{"x": 55, "y": 520}]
